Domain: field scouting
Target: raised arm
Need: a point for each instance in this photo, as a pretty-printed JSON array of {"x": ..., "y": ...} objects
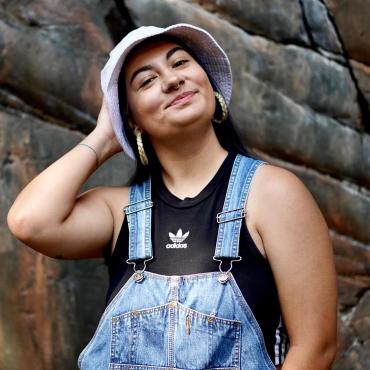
[
  {"x": 50, "y": 217},
  {"x": 299, "y": 250}
]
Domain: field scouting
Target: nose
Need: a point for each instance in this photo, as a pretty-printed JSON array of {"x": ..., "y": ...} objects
[{"x": 172, "y": 80}]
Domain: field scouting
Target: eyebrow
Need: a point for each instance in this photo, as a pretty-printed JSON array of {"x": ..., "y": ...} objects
[{"x": 149, "y": 66}]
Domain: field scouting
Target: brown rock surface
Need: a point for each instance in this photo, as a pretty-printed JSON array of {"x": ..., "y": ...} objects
[
  {"x": 43, "y": 62},
  {"x": 48, "y": 308},
  {"x": 44, "y": 302},
  {"x": 280, "y": 20},
  {"x": 351, "y": 256},
  {"x": 351, "y": 289},
  {"x": 361, "y": 318},
  {"x": 352, "y": 20},
  {"x": 319, "y": 26},
  {"x": 362, "y": 74},
  {"x": 301, "y": 100}
]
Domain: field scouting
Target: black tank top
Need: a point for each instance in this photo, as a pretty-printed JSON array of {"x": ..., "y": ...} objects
[{"x": 184, "y": 234}]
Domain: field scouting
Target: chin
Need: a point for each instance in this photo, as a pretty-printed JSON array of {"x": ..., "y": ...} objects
[
  {"x": 190, "y": 118},
  {"x": 186, "y": 121}
]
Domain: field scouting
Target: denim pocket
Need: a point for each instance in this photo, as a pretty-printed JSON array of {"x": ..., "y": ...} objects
[
  {"x": 211, "y": 341},
  {"x": 173, "y": 335}
]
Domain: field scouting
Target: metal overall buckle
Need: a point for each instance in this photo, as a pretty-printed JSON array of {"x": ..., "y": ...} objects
[
  {"x": 139, "y": 274},
  {"x": 232, "y": 215},
  {"x": 138, "y": 206},
  {"x": 224, "y": 276}
]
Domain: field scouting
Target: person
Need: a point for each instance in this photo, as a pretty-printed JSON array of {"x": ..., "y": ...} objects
[{"x": 219, "y": 260}]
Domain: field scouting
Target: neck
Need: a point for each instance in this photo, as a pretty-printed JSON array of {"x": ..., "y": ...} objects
[{"x": 189, "y": 166}]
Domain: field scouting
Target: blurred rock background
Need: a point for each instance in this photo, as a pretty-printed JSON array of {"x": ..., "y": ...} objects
[{"x": 301, "y": 100}]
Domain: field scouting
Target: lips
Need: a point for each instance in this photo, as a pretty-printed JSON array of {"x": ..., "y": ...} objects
[{"x": 185, "y": 96}]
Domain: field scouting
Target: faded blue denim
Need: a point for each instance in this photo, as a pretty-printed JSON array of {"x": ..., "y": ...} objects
[{"x": 189, "y": 322}]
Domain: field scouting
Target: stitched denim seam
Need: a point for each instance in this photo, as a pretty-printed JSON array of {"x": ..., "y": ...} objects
[
  {"x": 189, "y": 277},
  {"x": 126, "y": 316},
  {"x": 226, "y": 206},
  {"x": 149, "y": 367},
  {"x": 242, "y": 204}
]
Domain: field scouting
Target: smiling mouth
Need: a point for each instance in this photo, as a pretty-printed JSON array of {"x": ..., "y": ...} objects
[{"x": 183, "y": 99}]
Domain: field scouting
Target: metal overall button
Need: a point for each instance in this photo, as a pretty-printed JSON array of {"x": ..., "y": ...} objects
[
  {"x": 173, "y": 304},
  {"x": 138, "y": 276},
  {"x": 223, "y": 277}
]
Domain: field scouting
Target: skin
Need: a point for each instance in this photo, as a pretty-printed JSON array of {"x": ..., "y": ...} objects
[{"x": 50, "y": 215}]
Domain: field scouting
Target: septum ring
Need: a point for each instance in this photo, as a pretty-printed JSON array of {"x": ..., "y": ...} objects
[{"x": 178, "y": 85}]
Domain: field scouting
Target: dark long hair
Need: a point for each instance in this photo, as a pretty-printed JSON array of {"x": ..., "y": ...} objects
[{"x": 225, "y": 132}]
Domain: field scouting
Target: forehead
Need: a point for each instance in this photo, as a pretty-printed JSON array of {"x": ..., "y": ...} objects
[{"x": 145, "y": 53}]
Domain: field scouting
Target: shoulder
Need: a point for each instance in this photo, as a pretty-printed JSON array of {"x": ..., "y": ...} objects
[
  {"x": 284, "y": 207},
  {"x": 270, "y": 177},
  {"x": 271, "y": 191},
  {"x": 280, "y": 191},
  {"x": 278, "y": 184}
]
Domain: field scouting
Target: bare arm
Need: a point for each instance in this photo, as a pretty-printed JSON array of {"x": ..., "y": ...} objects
[
  {"x": 50, "y": 217},
  {"x": 298, "y": 247}
]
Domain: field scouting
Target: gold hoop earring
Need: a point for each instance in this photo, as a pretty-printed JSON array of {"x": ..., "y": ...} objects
[
  {"x": 223, "y": 105},
  {"x": 140, "y": 147}
]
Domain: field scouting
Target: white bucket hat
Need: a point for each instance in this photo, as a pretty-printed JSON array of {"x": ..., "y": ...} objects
[{"x": 200, "y": 42}]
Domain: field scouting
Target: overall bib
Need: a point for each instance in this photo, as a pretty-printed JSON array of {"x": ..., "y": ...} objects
[{"x": 189, "y": 322}]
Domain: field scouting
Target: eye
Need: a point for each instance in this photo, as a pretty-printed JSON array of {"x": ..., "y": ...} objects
[
  {"x": 180, "y": 62},
  {"x": 148, "y": 80}
]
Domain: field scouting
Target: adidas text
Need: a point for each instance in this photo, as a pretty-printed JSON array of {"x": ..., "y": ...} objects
[{"x": 177, "y": 245}]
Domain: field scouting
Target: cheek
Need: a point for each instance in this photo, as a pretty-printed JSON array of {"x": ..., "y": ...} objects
[
  {"x": 208, "y": 89},
  {"x": 144, "y": 106},
  {"x": 202, "y": 80}
]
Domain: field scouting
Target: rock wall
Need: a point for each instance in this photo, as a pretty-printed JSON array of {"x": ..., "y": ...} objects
[
  {"x": 301, "y": 100},
  {"x": 51, "y": 54}
]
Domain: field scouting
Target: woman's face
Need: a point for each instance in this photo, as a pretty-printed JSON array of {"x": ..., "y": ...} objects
[{"x": 155, "y": 76}]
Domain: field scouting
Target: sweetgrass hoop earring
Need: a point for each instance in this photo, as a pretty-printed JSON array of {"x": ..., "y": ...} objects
[
  {"x": 223, "y": 105},
  {"x": 140, "y": 147}
]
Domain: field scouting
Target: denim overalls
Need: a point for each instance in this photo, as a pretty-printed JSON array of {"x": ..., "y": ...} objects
[{"x": 193, "y": 322}]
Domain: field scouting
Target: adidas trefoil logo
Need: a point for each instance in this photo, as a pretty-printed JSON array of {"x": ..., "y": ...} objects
[{"x": 178, "y": 240}]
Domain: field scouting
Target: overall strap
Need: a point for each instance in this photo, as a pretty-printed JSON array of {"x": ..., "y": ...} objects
[
  {"x": 233, "y": 212},
  {"x": 139, "y": 218}
]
